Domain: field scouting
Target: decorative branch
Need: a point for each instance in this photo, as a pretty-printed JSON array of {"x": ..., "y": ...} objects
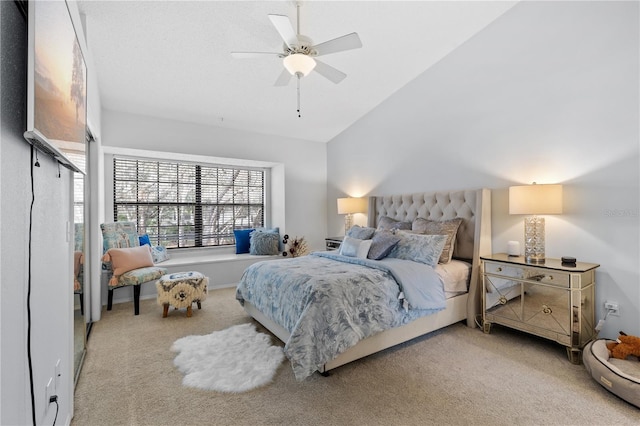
[{"x": 294, "y": 248}]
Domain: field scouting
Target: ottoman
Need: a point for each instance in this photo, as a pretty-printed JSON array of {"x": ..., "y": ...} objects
[{"x": 181, "y": 290}]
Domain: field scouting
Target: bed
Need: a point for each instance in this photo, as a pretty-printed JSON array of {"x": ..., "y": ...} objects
[{"x": 385, "y": 306}]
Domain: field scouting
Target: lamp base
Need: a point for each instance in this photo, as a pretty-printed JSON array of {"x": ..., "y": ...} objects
[
  {"x": 534, "y": 260},
  {"x": 534, "y": 240},
  {"x": 348, "y": 223}
]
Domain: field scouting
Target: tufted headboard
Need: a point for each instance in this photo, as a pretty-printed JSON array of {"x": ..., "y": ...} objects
[{"x": 474, "y": 235}]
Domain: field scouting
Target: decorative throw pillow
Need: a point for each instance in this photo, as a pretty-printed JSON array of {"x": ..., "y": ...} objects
[
  {"x": 419, "y": 247},
  {"x": 144, "y": 239},
  {"x": 444, "y": 227},
  {"x": 159, "y": 254},
  {"x": 354, "y": 247},
  {"x": 127, "y": 259},
  {"x": 264, "y": 243},
  {"x": 381, "y": 244},
  {"x": 361, "y": 233},
  {"x": 275, "y": 230},
  {"x": 388, "y": 224},
  {"x": 242, "y": 240},
  {"x": 119, "y": 235}
]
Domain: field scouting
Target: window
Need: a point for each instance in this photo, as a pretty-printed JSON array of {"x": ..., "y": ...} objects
[{"x": 185, "y": 204}]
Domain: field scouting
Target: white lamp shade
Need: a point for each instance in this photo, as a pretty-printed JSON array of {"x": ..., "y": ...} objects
[
  {"x": 535, "y": 199},
  {"x": 352, "y": 205},
  {"x": 299, "y": 63}
]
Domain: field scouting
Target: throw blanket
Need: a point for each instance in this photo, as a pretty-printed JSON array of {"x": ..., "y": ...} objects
[{"x": 329, "y": 302}]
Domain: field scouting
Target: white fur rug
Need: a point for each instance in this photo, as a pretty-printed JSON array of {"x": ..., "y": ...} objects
[{"x": 236, "y": 359}]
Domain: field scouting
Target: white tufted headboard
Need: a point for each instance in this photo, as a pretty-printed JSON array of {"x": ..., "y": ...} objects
[{"x": 474, "y": 235}]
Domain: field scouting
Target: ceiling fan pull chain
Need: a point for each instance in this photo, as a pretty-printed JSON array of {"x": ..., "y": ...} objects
[{"x": 298, "y": 83}]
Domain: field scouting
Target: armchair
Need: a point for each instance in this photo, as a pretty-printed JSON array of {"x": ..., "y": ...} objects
[
  {"x": 127, "y": 263},
  {"x": 78, "y": 264}
]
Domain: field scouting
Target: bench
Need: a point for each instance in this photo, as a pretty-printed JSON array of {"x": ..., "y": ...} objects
[{"x": 223, "y": 267}]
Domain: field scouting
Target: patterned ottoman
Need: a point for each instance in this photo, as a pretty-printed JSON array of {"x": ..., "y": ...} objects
[{"x": 181, "y": 290}]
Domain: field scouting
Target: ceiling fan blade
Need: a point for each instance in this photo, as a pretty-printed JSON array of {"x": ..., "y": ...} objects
[
  {"x": 248, "y": 55},
  {"x": 285, "y": 29},
  {"x": 346, "y": 42},
  {"x": 329, "y": 72},
  {"x": 284, "y": 78}
]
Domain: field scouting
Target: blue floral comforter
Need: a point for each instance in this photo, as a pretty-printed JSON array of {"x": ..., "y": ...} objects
[{"x": 329, "y": 302}]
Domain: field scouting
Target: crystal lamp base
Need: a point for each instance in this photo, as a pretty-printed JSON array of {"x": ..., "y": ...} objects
[{"x": 534, "y": 239}]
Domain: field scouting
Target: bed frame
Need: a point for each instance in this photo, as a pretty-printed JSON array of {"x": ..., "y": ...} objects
[{"x": 472, "y": 241}]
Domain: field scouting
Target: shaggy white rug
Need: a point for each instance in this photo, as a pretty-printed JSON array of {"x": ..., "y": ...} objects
[{"x": 236, "y": 359}]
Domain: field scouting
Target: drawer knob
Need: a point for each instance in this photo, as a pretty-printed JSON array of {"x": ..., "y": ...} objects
[
  {"x": 499, "y": 269},
  {"x": 546, "y": 309},
  {"x": 502, "y": 300}
]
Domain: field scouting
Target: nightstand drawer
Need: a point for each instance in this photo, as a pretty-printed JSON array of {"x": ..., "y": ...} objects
[
  {"x": 560, "y": 279},
  {"x": 503, "y": 270}
]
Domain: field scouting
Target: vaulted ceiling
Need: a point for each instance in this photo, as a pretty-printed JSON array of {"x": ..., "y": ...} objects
[{"x": 171, "y": 59}]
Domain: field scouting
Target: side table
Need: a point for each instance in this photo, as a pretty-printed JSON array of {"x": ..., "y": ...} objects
[
  {"x": 550, "y": 300},
  {"x": 333, "y": 243}
]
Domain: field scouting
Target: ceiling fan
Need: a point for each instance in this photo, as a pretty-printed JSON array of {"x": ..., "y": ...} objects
[{"x": 299, "y": 52}]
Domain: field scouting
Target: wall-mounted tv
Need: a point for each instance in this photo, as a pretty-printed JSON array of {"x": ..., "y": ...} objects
[{"x": 56, "y": 84}]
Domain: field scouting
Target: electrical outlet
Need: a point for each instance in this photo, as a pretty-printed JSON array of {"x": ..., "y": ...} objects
[{"x": 612, "y": 308}]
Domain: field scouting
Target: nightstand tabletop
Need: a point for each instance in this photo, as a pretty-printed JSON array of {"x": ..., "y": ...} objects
[
  {"x": 336, "y": 239},
  {"x": 550, "y": 263}
]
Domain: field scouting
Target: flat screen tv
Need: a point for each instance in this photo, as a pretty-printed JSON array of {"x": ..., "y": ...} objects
[{"x": 56, "y": 84}]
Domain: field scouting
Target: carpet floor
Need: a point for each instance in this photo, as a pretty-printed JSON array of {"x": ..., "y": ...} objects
[{"x": 454, "y": 376}]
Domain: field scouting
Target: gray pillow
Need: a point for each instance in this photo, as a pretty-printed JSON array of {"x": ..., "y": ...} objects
[
  {"x": 361, "y": 233},
  {"x": 264, "y": 243},
  {"x": 388, "y": 224},
  {"x": 381, "y": 244},
  {"x": 419, "y": 247},
  {"x": 443, "y": 227}
]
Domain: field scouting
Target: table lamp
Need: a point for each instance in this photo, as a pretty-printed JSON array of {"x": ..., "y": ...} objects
[
  {"x": 535, "y": 200},
  {"x": 349, "y": 206}
]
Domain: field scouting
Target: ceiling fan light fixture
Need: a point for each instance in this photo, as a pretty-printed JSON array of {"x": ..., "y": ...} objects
[{"x": 299, "y": 63}]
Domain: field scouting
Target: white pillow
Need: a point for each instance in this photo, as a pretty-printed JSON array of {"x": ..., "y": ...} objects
[{"x": 353, "y": 247}]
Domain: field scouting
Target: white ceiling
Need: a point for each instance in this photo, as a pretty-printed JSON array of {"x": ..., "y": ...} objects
[{"x": 172, "y": 59}]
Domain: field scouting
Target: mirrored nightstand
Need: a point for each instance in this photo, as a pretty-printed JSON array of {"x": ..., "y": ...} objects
[
  {"x": 333, "y": 243},
  {"x": 550, "y": 300}
]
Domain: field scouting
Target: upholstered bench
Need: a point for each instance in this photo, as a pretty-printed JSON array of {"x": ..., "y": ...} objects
[{"x": 181, "y": 290}]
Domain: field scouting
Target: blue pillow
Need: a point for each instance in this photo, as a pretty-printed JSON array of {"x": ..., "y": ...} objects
[
  {"x": 242, "y": 240},
  {"x": 144, "y": 239},
  {"x": 361, "y": 233},
  {"x": 381, "y": 245}
]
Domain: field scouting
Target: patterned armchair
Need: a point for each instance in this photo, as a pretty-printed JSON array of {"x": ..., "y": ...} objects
[
  {"x": 128, "y": 263},
  {"x": 78, "y": 264}
]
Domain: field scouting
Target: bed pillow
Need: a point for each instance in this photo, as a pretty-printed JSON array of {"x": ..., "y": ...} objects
[
  {"x": 381, "y": 244},
  {"x": 275, "y": 230},
  {"x": 264, "y": 243},
  {"x": 387, "y": 224},
  {"x": 242, "y": 240},
  {"x": 127, "y": 259},
  {"x": 144, "y": 239},
  {"x": 361, "y": 233},
  {"x": 419, "y": 247},
  {"x": 354, "y": 247},
  {"x": 159, "y": 254},
  {"x": 444, "y": 227}
]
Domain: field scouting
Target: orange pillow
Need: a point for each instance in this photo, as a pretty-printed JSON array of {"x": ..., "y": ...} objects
[{"x": 127, "y": 259}]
